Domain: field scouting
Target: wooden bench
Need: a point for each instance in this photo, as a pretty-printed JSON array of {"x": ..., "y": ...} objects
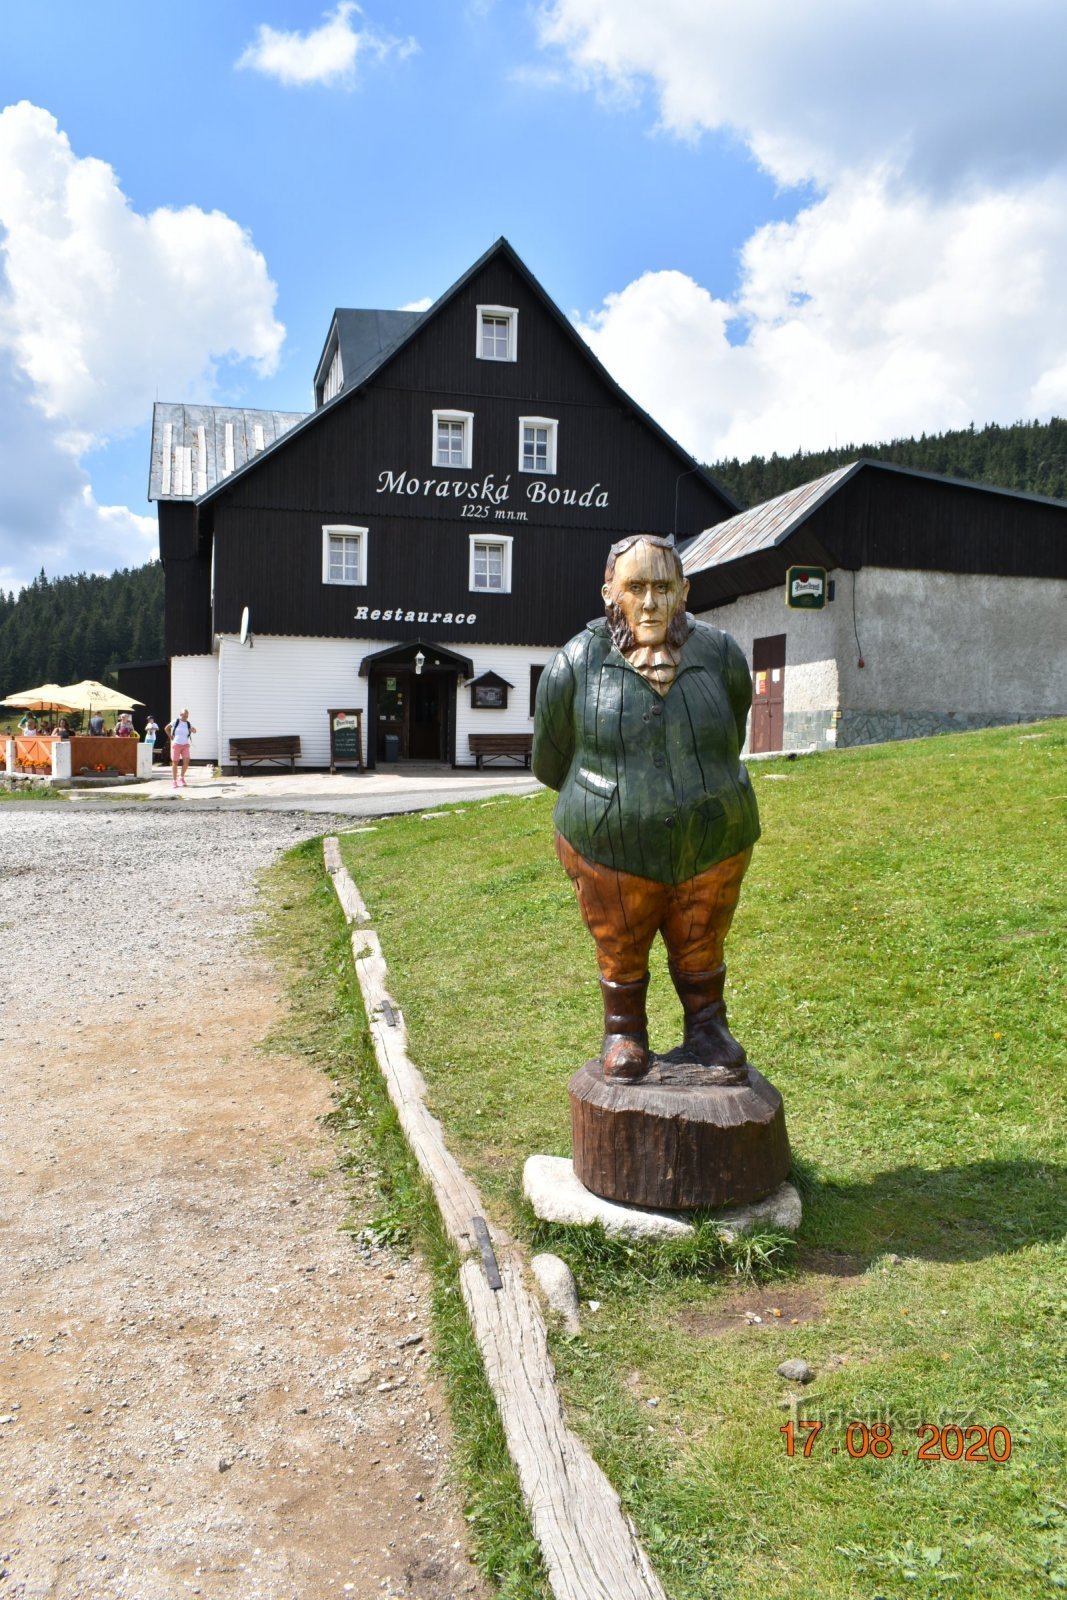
[
  {"x": 488, "y": 746},
  {"x": 280, "y": 748}
]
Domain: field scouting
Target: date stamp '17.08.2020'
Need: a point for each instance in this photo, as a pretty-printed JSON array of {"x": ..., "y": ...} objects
[{"x": 949, "y": 1443}]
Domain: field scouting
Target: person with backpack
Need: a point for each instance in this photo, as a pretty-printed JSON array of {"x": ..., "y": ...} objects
[{"x": 179, "y": 732}]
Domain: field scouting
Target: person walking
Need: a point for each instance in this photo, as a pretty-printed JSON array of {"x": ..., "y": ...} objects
[
  {"x": 151, "y": 734},
  {"x": 179, "y": 732}
]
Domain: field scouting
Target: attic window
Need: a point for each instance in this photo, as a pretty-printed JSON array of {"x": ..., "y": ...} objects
[
  {"x": 334, "y": 378},
  {"x": 497, "y": 333}
]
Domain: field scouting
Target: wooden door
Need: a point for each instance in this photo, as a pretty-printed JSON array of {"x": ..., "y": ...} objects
[
  {"x": 768, "y": 693},
  {"x": 394, "y": 702},
  {"x": 426, "y": 727}
]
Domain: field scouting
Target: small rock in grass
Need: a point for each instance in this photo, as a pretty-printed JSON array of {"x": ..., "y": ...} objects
[
  {"x": 795, "y": 1371},
  {"x": 557, "y": 1284}
]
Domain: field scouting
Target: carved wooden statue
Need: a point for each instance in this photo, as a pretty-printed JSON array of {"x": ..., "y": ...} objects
[{"x": 639, "y": 725}]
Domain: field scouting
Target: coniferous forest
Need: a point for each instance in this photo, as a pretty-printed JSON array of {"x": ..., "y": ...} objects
[
  {"x": 1025, "y": 455},
  {"x": 59, "y": 630}
]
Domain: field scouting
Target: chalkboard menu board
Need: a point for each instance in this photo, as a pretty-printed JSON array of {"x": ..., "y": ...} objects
[{"x": 346, "y": 739}]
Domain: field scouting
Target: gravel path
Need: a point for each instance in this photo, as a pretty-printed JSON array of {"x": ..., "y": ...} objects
[{"x": 205, "y": 1388}]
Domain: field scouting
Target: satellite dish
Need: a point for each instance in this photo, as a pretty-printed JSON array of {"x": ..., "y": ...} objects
[{"x": 246, "y": 628}]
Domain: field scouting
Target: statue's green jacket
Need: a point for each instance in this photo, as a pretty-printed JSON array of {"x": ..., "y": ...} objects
[{"x": 648, "y": 783}]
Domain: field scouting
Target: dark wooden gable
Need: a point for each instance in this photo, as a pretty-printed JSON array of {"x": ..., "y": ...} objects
[{"x": 366, "y": 460}]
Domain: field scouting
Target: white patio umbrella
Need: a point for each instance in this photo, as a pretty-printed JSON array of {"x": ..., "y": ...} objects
[
  {"x": 46, "y": 697},
  {"x": 92, "y": 696}
]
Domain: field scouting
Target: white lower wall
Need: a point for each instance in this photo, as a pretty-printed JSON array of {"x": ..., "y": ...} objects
[
  {"x": 284, "y": 685},
  {"x": 287, "y": 686},
  {"x": 194, "y": 682},
  {"x": 512, "y": 662}
]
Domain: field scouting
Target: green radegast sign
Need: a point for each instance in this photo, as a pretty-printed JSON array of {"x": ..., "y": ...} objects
[{"x": 805, "y": 588}]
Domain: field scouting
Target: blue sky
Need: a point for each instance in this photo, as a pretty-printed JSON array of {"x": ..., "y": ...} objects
[{"x": 778, "y": 227}]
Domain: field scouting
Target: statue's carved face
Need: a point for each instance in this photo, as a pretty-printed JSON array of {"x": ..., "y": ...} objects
[{"x": 645, "y": 594}]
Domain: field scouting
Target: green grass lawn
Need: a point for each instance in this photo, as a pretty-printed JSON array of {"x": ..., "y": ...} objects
[{"x": 896, "y": 969}]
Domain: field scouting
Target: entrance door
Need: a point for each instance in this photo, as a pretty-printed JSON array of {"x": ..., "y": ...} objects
[
  {"x": 426, "y": 730},
  {"x": 411, "y": 715},
  {"x": 391, "y": 742},
  {"x": 768, "y": 693}
]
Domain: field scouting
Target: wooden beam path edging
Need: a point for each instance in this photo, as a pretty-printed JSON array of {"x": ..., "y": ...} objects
[{"x": 589, "y": 1545}]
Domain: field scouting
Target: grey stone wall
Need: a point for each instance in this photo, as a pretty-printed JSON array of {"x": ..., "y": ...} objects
[
  {"x": 802, "y": 729},
  {"x": 878, "y": 727}
]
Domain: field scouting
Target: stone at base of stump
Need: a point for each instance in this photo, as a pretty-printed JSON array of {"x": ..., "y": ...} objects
[
  {"x": 557, "y": 1195},
  {"x": 675, "y": 1144}
]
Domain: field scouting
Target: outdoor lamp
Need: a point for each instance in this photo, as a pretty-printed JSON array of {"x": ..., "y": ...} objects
[{"x": 420, "y": 662}]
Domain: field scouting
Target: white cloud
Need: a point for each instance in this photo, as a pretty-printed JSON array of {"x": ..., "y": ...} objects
[
  {"x": 419, "y": 305},
  {"x": 104, "y": 308},
  {"x": 49, "y": 516},
  {"x": 868, "y": 317},
  {"x": 101, "y": 309},
  {"x": 326, "y": 55},
  {"x": 922, "y": 289},
  {"x": 945, "y": 94}
]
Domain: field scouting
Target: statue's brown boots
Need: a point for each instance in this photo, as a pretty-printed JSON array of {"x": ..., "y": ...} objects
[
  {"x": 706, "y": 1035},
  {"x": 624, "y": 1051}
]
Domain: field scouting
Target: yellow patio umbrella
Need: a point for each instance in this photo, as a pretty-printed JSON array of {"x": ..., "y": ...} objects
[
  {"x": 92, "y": 696},
  {"x": 46, "y": 697}
]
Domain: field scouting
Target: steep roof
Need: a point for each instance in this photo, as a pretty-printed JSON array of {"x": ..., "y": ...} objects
[
  {"x": 194, "y": 448},
  {"x": 375, "y": 362}
]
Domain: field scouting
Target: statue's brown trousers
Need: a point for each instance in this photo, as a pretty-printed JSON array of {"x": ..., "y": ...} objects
[{"x": 624, "y": 913}]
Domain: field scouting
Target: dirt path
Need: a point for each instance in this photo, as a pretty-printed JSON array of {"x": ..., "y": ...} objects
[{"x": 205, "y": 1388}]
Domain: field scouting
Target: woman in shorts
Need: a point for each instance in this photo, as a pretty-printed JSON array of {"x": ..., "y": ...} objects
[{"x": 179, "y": 732}]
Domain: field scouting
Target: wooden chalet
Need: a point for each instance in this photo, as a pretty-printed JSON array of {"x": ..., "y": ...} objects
[{"x": 418, "y": 545}]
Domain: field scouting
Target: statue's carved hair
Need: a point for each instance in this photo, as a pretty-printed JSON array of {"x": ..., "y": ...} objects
[
  {"x": 621, "y": 632},
  {"x": 652, "y": 539}
]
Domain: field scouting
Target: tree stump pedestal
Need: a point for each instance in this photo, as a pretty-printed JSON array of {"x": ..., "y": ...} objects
[{"x": 677, "y": 1139}]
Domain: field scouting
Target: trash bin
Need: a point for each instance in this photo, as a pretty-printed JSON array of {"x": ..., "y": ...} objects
[{"x": 392, "y": 747}]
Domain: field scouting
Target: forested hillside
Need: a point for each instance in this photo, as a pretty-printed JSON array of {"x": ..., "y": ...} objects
[
  {"x": 1025, "y": 455},
  {"x": 60, "y": 630}
]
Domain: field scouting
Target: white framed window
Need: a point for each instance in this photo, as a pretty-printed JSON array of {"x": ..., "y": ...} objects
[
  {"x": 537, "y": 444},
  {"x": 498, "y": 329},
  {"x": 453, "y": 438},
  {"x": 344, "y": 555},
  {"x": 490, "y": 564}
]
